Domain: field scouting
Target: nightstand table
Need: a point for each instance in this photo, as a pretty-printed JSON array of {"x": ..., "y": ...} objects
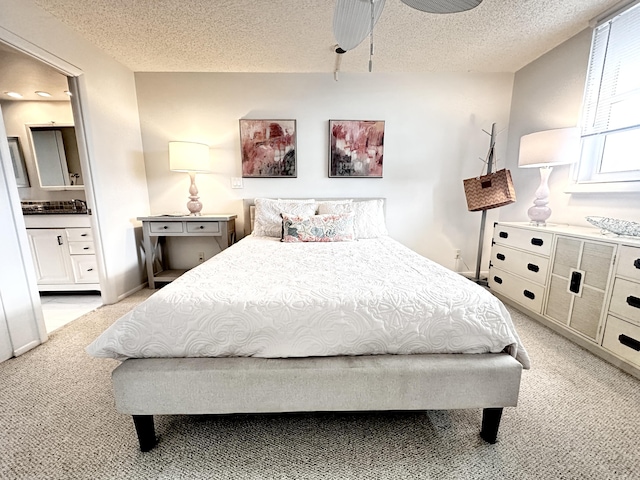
[{"x": 155, "y": 228}]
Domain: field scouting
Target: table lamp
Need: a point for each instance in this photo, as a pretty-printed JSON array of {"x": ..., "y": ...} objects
[
  {"x": 191, "y": 158},
  {"x": 544, "y": 150}
]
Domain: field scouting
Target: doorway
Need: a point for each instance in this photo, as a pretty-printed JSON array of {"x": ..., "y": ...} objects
[{"x": 46, "y": 96}]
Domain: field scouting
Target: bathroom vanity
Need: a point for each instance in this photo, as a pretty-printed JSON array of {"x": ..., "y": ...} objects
[{"x": 63, "y": 251}]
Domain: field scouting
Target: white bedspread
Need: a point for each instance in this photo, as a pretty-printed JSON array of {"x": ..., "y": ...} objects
[{"x": 264, "y": 298}]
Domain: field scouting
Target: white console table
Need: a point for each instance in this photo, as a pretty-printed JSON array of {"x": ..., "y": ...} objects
[{"x": 222, "y": 227}]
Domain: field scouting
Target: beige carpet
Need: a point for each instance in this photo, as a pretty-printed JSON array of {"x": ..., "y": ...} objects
[{"x": 578, "y": 418}]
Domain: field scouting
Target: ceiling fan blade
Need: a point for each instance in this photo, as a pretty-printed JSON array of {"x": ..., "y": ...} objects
[
  {"x": 443, "y": 6},
  {"x": 352, "y": 21}
]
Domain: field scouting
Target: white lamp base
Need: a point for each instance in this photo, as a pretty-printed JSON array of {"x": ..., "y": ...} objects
[
  {"x": 540, "y": 212},
  {"x": 194, "y": 205}
]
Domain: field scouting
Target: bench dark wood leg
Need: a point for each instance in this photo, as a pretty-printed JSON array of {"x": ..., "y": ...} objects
[
  {"x": 490, "y": 424},
  {"x": 146, "y": 431}
]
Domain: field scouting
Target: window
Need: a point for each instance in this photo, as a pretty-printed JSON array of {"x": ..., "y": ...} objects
[{"x": 610, "y": 158}]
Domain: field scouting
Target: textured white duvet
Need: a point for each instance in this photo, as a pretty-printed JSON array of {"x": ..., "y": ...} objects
[{"x": 264, "y": 298}]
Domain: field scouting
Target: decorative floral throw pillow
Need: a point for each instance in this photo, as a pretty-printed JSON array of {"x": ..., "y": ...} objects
[{"x": 317, "y": 228}]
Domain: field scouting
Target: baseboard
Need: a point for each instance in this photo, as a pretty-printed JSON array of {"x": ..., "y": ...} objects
[
  {"x": 70, "y": 287},
  {"x": 26, "y": 348},
  {"x": 132, "y": 291}
]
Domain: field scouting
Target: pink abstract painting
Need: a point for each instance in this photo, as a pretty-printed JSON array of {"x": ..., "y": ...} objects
[
  {"x": 356, "y": 148},
  {"x": 268, "y": 148}
]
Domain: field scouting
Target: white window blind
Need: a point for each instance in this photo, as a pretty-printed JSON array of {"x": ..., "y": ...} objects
[
  {"x": 610, "y": 156},
  {"x": 612, "y": 95}
]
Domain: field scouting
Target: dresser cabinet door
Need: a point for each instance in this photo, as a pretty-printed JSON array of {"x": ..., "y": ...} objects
[
  {"x": 596, "y": 263},
  {"x": 50, "y": 255},
  {"x": 579, "y": 277}
]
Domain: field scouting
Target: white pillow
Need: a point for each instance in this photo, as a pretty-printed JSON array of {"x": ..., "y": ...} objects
[
  {"x": 326, "y": 204},
  {"x": 268, "y": 219},
  {"x": 369, "y": 216},
  {"x": 297, "y": 200}
]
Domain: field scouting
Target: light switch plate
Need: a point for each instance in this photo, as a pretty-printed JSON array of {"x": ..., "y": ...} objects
[{"x": 236, "y": 182}]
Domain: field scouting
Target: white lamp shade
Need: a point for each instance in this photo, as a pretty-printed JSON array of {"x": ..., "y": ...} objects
[
  {"x": 189, "y": 157},
  {"x": 550, "y": 147}
]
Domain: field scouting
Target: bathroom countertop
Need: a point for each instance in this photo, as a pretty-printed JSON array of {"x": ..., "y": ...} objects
[{"x": 55, "y": 207}]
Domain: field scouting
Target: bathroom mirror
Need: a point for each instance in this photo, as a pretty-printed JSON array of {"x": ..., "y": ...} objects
[{"x": 55, "y": 149}]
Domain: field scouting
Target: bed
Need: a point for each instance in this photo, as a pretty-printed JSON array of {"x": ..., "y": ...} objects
[{"x": 306, "y": 325}]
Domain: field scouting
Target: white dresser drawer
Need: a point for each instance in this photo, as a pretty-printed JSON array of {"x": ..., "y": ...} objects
[
  {"x": 629, "y": 262},
  {"x": 625, "y": 300},
  {"x": 169, "y": 227},
  {"x": 525, "y": 264},
  {"x": 81, "y": 248},
  {"x": 535, "y": 241},
  {"x": 623, "y": 339},
  {"x": 518, "y": 289},
  {"x": 197, "y": 227},
  {"x": 85, "y": 268},
  {"x": 79, "y": 234}
]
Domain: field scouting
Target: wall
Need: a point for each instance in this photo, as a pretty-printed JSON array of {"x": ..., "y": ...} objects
[
  {"x": 21, "y": 321},
  {"x": 547, "y": 94},
  {"x": 113, "y": 133},
  {"x": 433, "y": 139},
  {"x": 16, "y": 115}
]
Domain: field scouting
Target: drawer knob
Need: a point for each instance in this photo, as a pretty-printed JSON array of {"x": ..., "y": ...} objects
[
  {"x": 629, "y": 342},
  {"x": 500, "y": 256},
  {"x": 59, "y": 240},
  {"x": 201, "y": 227},
  {"x": 89, "y": 269},
  {"x": 529, "y": 294},
  {"x": 86, "y": 248},
  {"x": 165, "y": 227},
  {"x": 533, "y": 267},
  {"x": 503, "y": 234},
  {"x": 84, "y": 234},
  {"x": 497, "y": 279},
  {"x": 633, "y": 301},
  {"x": 636, "y": 263},
  {"x": 537, "y": 242},
  {"x": 574, "y": 285}
]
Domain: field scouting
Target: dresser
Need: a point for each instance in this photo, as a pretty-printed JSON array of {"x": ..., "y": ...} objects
[
  {"x": 581, "y": 283},
  {"x": 156, "y": 228}
]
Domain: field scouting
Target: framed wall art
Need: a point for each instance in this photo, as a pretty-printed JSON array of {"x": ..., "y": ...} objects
[
  {"x": 17, "y": 160},
  {"x": 268, "y": 148},
  {"x": 356, "y": 148}
]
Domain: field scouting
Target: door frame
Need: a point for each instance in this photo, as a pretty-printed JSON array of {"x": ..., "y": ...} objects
[
  {"x": 25, "y": 326},
  {"x": 77, "y": 87}
]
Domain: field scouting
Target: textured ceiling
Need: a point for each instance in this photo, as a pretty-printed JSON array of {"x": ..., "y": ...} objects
[{"x": 296, "y": 35}]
